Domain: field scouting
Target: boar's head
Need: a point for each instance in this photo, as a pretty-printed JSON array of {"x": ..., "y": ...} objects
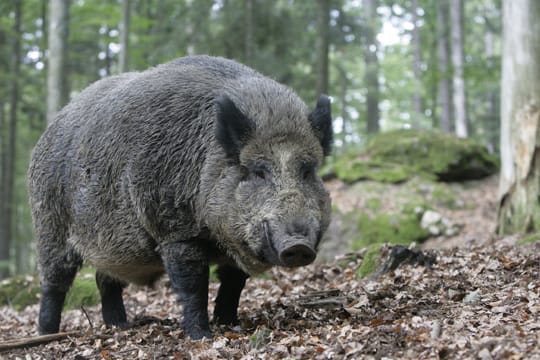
[{"x": 270, "y": 202}]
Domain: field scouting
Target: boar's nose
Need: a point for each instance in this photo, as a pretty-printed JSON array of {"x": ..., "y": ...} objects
[{"x": 297, "y": 254}]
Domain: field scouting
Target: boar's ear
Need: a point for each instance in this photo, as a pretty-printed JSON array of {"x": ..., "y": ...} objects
[
  {"x": 233, "y": 129},
  {"x": 321, "y": 121}
]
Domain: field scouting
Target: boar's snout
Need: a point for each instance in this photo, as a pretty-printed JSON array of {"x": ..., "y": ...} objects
[
  {"x": 297, "y": 255},
  {"x": 292, "y": 245}
]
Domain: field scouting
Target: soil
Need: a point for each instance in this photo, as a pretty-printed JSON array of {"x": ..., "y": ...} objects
[{"x": 480, "y": 299}]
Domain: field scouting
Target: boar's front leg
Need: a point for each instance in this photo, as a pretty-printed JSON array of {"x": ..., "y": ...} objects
[
  {"x": 232, "y": 282},
  {"x": 186, "y": 263}
]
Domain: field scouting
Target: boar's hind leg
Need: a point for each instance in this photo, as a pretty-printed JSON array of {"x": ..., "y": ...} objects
[
  {"x": 232, "y": 282},
  {"x": 57, "y": 274},
  {"x": 186, "y": 263},
  {"x": 112, "y": 305}
]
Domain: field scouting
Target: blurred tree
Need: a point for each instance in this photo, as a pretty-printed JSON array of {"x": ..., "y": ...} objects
[
  {"x": 371, "y": 75},
  {"x": 458, "y": 60},
  {"x": 9, "y": 150},
  {"x": 519, "y": 190},
  {"x": 57, "y": 93},
  {"x": 323, "y": 34},
  {"x": 418, "y": 112},
  {"x": 444, "y": 93},
  {"x": 124, "y": 36}
]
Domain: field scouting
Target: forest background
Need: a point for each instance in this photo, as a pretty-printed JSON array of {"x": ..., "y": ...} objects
[{"x": 420, "y": 64}]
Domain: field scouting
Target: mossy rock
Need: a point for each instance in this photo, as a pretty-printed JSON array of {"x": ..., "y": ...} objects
[
  {"x": 19, "y": 291},
  {"x": 84, "y": 291},
  {"x": 399, "y": 155},
  {"x": 370, "y": 262},
  {"x": 401, "y": 229}
]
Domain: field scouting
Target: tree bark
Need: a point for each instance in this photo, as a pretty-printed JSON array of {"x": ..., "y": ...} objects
[
  {"x": 249, "y": 35},
  {"x": 458, "y": 60},
  {"x": 124, "y": 36},
  {"x": 445, "y": 100},
  {"x": 56, "y": 76},
  {"x": 371, "y": 77},
  {"x": 417, "y": 67},
  {"x": 519, "y": 187},
  {"x": 323, "y": 19},
  {"x": 8, "y": 208}
]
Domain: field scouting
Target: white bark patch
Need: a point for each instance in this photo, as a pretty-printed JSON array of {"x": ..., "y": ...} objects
[{"x": 526, "y": 135}]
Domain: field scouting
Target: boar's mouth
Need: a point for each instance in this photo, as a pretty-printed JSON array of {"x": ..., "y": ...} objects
[{"x": 287, "y": 250}]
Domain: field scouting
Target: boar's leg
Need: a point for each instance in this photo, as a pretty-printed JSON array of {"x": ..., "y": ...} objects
[
  {"x": 186, "y": 263},
  {"x": 232, "y": 282},
  {"x": 112, "y": 305},
  {"x": 57, "y": 273}
]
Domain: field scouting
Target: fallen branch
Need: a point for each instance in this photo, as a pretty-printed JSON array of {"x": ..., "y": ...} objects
[{"x": 33, "y": 341}]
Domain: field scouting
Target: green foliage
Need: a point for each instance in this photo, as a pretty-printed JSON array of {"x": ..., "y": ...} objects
[
  {"x": 401, "y": 229},
  {"x": 19, "y": 291},
  {"x": 398, "y": 155},
  {"x": 529, "y": 239},
  {"x": 370, "y": 262},
  {"x": 83, "y": 292}
]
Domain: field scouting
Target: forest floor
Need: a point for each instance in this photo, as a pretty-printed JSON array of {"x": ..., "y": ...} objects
[{"x": 479, "y": 299}]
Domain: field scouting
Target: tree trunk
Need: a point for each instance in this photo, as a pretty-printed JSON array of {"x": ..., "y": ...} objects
[
  {"x": 56, "y": 76},
  {"x": 445, "y": 123},
  {"x": 323, "y": 18},
  {"x": 249, "y": 35},
  {"x": 519, "y": 188},
  {"x": 417, "y": 68},
  {"x": 8, "y": 208},
  {"x": 458, "y": 60},
  {"x": 371, "y": 77},
  {"x": 124, "y": 36}
]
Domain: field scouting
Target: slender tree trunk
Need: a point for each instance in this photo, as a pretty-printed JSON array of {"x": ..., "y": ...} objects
[
  {"x": 249, "y": 35},
  {"x": 418, "y": 113},
  {"x": 56, "y": 76},
  {"x": 124, "y": 36},
  {"x": 371, "y": 77},
  {"x": 492, "y": 119},
  {"x": 519, "y": 188},
  {"x": 323, "y": 19},
  {"x": 445, "y": 122},
  {"x": 458, "y": 60},
  {"x": 9, "y": 185},
  {"x": 343, "y": 86}
]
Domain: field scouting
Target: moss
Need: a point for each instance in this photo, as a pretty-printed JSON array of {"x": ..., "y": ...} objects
[
  {"x": 528, "y": 239},
  {"x": 370, "y": 262},
  {"x": 19, "y": 291},
  {"x": 83, "y": 292},
  {"x": 396, "y": 156},
  {"x": 444, "y": 197},
  {"x": 374, "y": 204},
  {"x": 351, "y": 169},
  {"x": 389, "y": 228}
]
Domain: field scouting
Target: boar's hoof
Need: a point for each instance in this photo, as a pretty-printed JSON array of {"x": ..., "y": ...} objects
[
  {"x": 198, "y": 333},
  {"x": 297, "y": 255}
]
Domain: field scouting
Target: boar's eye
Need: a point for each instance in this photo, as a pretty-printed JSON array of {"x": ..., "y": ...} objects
[
  {"x": 307, "y": 171},
  {"x": 260, "y": 173}
]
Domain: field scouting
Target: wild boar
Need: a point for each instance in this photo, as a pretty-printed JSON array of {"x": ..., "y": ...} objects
[{"x": 197, "y": 161}]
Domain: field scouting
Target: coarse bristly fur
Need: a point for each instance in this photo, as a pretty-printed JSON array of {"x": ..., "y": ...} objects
[{"x": 195, "y": 161}]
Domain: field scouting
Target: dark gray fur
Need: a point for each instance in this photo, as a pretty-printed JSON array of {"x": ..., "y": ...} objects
[{"x": 195, "y": 161}]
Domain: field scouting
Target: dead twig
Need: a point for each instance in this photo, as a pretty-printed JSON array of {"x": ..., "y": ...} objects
[
  {"x": 87, "y": 317},
  {"x": 33, "y": 341}
]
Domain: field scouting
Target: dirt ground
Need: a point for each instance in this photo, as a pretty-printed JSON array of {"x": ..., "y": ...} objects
[{"x": 480, "y": 299}]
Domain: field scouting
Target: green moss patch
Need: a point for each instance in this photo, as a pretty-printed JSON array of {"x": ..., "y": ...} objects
[
  {"x": 370, "y": 262},
  {"x": 83, "y": 292},
  {"x": 400, "y": 229},
  {"x": 19, "y": 291},
  {"x": 397, "y": 156}
]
